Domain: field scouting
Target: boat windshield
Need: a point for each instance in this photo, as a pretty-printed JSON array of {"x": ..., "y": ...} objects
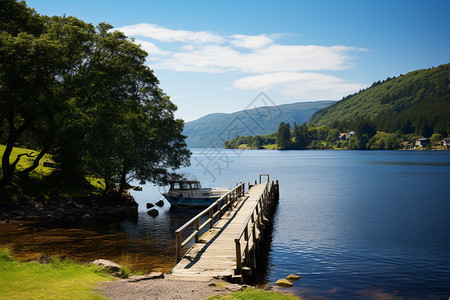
[{"x": 185, "y": 185}]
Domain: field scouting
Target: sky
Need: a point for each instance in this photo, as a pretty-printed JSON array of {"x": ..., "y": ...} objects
[{"x": 218, "y": 56}]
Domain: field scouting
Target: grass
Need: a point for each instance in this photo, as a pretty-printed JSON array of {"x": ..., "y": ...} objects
[
  {"x": 255, "y": 294},
  {"x": 25, "y": 162},
  {"x": 41, "y": 183},
  {"x": 271, "y": 146},
  {"x": 55, "y": 280}
]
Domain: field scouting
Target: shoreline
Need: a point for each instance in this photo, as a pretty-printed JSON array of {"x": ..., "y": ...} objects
[{"x": 79, "y": 210}]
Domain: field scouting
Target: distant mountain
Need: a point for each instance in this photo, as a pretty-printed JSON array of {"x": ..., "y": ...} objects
[
  {"x": 214, "y": 129},
  {"x": 417, "y": 102}
]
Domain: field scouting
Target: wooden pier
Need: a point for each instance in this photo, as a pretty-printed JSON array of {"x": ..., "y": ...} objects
[{"x": 236, "y": 226}]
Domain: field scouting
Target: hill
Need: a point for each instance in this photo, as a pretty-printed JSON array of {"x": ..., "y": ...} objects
[
  {"x": 417, "y": 102},
  {"x": 214, "y": 129}
]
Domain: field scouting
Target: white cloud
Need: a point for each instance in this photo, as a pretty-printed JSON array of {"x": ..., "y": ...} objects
[
  {"x": 159, "y": 33},
  {"x": 274, "y": 58},
  {"x": 251, "y": 41},
  {"x": 292, "y": 70},
  {"x": 307, "y": 85},
  {"x": 151, "y": 48}
]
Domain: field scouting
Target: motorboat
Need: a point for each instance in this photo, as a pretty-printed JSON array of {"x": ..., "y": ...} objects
[{"x": 190, "y": 193}]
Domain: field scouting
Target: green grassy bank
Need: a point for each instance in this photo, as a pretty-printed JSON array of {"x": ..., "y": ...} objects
[
  {"x": 40, "y": 181},
  {"x": 255, "y": 294},
  {"x": 54, "y": 280}
]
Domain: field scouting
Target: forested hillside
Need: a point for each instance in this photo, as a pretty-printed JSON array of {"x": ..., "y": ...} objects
[
  {"x": 417, "y": 102},
  {"x": 214, "y": 129},
  {"x": 391, "y": 114}
]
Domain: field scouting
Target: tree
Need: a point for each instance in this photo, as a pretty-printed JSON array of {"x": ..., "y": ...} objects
[
  {"x": 284, "y": 136},
  {"x": 365, "y": 127},
  {"x": 87, "y": 95},
  {"x": 301, "y": 136},
  {"x": 333, "y": 135},
  {"x": 132, "y": 132},
  {"x": 34, "y": 77},
  {"x": 426, "y": 130},
  {"x": 257, "y": 142},
  {"x": 435, "y": 139}
]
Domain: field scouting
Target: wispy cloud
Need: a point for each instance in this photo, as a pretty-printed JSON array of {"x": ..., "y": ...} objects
[
  {"x": 251, "y": 41},
  {"x": 151, "y": 48},
  {"x": 292, "y": 70},
  {"x": 159, "y": 33},
  {"x": 307, "y": 85}
]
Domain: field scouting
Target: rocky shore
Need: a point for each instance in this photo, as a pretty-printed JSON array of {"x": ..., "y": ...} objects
[{"x": 72, "y": 210}]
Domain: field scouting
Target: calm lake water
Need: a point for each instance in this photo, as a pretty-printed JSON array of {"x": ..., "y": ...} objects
[{"x": 353, "y": 224}]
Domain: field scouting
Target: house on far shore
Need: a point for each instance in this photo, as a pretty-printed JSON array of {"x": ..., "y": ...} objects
[
  {"x": 345, "y": 136},
  {"x": 445, "y": 143},
  {"x": 422, "y": 142}
]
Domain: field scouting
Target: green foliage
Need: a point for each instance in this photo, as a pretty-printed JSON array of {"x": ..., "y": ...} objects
[
  {"x": 85, "y": 94},
  {"x": 251, "y": 293},
  {"x": 436, "y": 138},
  {"x": 417, "y": 102},
  {"x": 43, "y": 180},
  {"x": 301, "y": 136},
  {"x": 55, "y": 280},
  {"x": 5, "y": 254},
  {"x": 284, "y": 136}
]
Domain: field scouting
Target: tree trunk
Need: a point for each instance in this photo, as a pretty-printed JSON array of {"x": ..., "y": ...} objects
[
  {"x": 123, "y": 181},
  {"x": 36, "y": 160},
  {"x": 13, "y": 136}
]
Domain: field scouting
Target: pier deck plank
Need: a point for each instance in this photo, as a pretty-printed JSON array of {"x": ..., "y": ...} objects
[{"x": 215, "y": 253}]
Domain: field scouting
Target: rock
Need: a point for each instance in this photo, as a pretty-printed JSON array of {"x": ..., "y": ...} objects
[
  {"x": 293, "y": 277},
  {"x": 153, "y": 212},
  {"x": 160, "y": 203},
  {"x": 152, "y": 275},
  {"x": 50, "y": 218},
  {"x": 137, "y": 188},
  {"x": 108, "y": 266},
  {"x": 86, "y": 217},
  {"x": 44, "y": 259},
  {"x": 150, "y": 205},
  {"x": 284, "y": 283}
]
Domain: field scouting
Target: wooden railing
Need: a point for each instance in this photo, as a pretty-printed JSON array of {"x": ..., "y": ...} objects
[
  {"x": 220, "y": 205},
  {"x": 253, "y": 223}
]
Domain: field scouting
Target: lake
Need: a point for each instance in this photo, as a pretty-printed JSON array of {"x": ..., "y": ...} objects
[{"x": 353, "y": 224}]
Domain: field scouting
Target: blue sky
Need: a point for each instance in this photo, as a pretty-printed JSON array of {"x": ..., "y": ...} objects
[{"x": 217, "y": 56}]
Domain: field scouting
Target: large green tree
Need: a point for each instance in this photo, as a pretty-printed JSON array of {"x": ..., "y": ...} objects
[
  {"x": 133, "y": 133},
  {"x": 85, "y": 94},
  {"x": 35, "y": 83}
]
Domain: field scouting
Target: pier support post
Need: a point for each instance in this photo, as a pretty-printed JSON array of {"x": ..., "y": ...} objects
[{"x": 178, "y": 237}]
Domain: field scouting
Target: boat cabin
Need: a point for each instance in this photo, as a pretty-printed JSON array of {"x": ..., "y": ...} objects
[{"x": 184, "y": 185}]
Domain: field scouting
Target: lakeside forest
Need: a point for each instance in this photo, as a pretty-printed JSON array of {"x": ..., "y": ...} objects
[
  {"x": 390, "y": 114},
  {"x": 82, "y": 97}
]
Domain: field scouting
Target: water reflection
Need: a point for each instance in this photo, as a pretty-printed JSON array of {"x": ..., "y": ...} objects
[{"x": 146, "y": 244}]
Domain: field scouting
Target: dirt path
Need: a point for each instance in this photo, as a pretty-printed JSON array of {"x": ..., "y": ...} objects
[{"x": 154, "y": 287}]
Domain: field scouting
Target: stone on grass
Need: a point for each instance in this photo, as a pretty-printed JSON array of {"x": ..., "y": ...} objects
[
  {"x": 293, "y": 277},
  {"x": 284, "y": 283},
  {"x": 108, "y": 266}
]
